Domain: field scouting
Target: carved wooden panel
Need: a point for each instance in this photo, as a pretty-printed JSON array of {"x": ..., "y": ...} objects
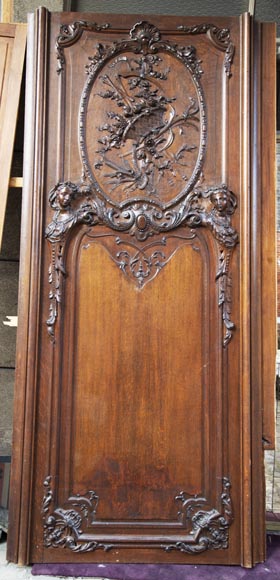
[{"x": 141, "y": 424}]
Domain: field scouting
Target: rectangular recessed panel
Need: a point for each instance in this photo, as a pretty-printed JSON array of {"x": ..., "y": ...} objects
[{"x": 138, "y": 391}]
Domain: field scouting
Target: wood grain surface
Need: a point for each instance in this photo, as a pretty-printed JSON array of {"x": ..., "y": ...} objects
[{"x": 139, "y": 406}]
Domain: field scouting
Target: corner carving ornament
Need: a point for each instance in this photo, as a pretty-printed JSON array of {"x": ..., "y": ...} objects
[
  {"x": 142, "y": 165},
  {"x": 69, "y": 526},
  {"x": 62, "y": 527}
]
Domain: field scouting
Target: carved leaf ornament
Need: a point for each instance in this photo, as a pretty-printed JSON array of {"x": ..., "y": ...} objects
[
  {"x": 142, "y": 178},
  {"x": 142, "y": 160},
  {"x": 69, "y": 526}
]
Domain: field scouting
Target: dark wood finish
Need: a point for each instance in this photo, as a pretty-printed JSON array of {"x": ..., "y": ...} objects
[
  {"x": 263, "y": 265},
  {"x": 135, "y": 406}
]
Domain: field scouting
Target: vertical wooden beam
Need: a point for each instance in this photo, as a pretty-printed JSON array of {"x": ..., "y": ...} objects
[
  {"x": 7, "y": 11},
  {"x": 258, "y": 484},
  {"x": 268, "y": 229},
  {"x": 252, "y": 6},
  {"x": 8, "y": 128},
  {"x": 263, "y": 268},
  {"x": 31, "y": 236},
  {"x": 245, "y": 318}
]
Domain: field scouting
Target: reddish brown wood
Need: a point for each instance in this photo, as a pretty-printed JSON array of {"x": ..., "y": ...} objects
[{"x": 135, "y": 405}]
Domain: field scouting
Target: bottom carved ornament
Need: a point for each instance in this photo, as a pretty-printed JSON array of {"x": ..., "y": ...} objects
[{"x": 69, "y": 526}]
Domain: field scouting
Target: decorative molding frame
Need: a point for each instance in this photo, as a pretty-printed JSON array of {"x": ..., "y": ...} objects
[
  {"x": 211, "y": 208},
  {"x": 71, "y": 526},
  {"x": 69, "y": 34},
  {"x": 62, "y": 528},
  {"x": 142, "y": 102},
  {"x": 141, "y": 217},
  {"x": 220, "y": 37},
  {"x": 210, "y": 528}
]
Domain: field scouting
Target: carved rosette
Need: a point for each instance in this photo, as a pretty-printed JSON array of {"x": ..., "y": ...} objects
[{"x": 69, "y": 525}]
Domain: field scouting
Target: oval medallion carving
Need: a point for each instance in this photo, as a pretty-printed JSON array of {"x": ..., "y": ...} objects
[{"x": 143, "y": 138}]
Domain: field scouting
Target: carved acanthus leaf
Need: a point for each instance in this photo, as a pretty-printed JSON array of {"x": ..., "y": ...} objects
[
  {"x": 143, "y": 136},
  {"x": 209, "y": 527},
  {"x": 211, "y": 208},
  {"x": 69, "y": 34},
  {"x": 64, "y": 526},
  {"x": 220, "y": 37},
  {"x": 141, "y": 263},
  {"x": 133, "y": 74}
]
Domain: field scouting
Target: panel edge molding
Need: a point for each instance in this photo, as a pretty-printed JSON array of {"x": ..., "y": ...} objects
[{"x": 71, "y": 525}]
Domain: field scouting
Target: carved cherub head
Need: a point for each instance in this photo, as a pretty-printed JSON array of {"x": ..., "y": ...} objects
[
  {"x": 223, "y": 201},
  {"x": 219, "y": 200},
  {"x": 62, "y": 195}
]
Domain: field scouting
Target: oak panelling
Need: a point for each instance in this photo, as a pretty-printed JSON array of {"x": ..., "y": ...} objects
[
  {"x": 141, "y": 382},
  {"x": 74, "y": 75},
  {"x": 26, "y": 367},
  {"x": 124, "y": 424}
]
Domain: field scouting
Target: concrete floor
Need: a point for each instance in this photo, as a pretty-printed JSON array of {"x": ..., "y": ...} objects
[{"x": 13, "y": 572}]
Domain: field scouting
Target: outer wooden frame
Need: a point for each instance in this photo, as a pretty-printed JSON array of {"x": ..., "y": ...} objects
[
  {"x": 31, "y": 238},
  {"x": 263, "y": 293},
  {"x": 256, "y": 211}
]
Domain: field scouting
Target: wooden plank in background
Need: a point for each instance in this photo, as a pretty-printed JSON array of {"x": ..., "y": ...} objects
[
  {"x": 7, "y": 14},
  {"x": 268, "y": 223},
  {"x": 12, "y": 45}
]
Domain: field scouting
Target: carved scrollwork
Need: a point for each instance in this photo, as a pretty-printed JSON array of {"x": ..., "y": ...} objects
[
  {"x": 69, "y": 526},
  {"x": 69, "y": 34},
  {"x": 210, "y": 528},
  {"x": 144, "y": 144},
  {"x": 211, "y": 208},
  {"x": 141, "y": 263},
  {"x": 71, "y": 207},
  {"x": 63, "y": 527},
  {"x": 142, "y": 141},
  {"x": 144, "y": 33},
  {"x": 220, "y": 37},
  {"x": 56, "y": 274}
]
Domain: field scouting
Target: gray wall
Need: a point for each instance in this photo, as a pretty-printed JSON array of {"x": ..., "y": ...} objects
[{"x": 266, "y": 10}]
